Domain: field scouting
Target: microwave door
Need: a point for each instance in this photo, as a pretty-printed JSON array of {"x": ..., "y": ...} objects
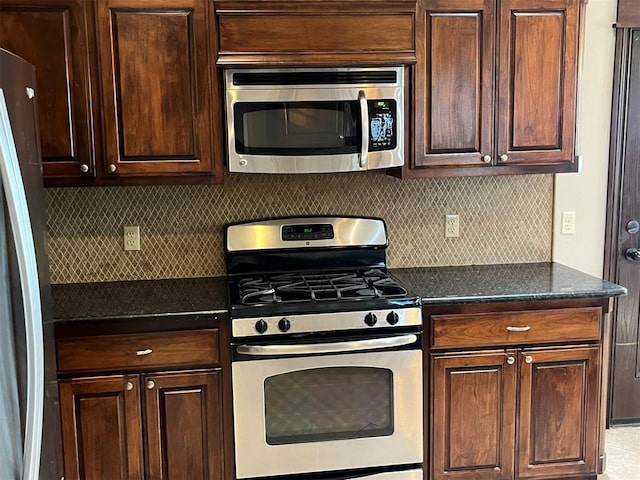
[{"x": 296, "y": 136}]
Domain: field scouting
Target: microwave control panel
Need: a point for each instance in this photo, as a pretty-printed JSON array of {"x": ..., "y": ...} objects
[{"x": 382, "y": 125}]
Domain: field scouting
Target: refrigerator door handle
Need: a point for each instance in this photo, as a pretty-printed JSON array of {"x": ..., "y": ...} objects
[{"x": 29, "y": 282}]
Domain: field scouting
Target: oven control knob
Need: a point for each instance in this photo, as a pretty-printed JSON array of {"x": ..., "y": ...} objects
[
  {"x": 370, "y": 319},
  {"x": 284, "y": 324},
  {"x": 261, "y": 326},
  {"x": 392, "y": 318}
]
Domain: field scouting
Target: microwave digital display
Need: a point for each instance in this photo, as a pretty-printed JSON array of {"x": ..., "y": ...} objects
[{"x": 382, "y": 125}]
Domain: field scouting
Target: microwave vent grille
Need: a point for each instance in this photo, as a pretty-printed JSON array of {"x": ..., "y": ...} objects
[{"x": 314, "y": 78}]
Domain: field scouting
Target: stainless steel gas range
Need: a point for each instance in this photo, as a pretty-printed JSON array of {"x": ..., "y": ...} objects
[{"x": 327, "y": 362}]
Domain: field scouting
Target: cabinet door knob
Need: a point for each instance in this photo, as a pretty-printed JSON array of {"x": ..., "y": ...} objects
[
  {"x": 528, "y": 359},
  {"x": 112, "y": 168},
  {"x": 150, "y": 384},
  {"x": 504, "y": 157},
  {"x": 486, "y": 159},
  {"x": 511, "y": 360},
  {"x": 129, "y": 386},
  {"x": 84, "y": 168}
]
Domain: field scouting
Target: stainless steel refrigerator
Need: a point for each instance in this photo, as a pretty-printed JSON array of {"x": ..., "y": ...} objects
[{"x": 30, "y": 445}]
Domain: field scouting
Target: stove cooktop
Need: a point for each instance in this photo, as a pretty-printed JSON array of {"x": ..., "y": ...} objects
[
  {"x": 318, "y": 287},
  {"x": 306, "y": 292}
]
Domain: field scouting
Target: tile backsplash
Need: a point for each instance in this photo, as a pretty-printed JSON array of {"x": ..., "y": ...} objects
[{"x": 503, "y": 219}]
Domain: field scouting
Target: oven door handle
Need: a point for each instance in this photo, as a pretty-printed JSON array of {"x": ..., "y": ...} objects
[{"x": 336, "y": 347}]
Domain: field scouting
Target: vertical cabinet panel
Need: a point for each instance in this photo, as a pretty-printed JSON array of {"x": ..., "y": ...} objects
[
  {"x": 537, "y": 81},
  {"x": 183, "y": 425},
  {"x": 454, "y": 83},
  {"x": 102, "y": 428},
  {"x": 52, "y": 35},
  {"x": 156, "y": 86},
  {"x": 473, "y": 416},
  {"x": 559, "y": 412},
  {"x": 157, "y": 118}
]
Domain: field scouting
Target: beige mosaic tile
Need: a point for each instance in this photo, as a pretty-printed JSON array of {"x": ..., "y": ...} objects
[{"x": 502, "y": 219}]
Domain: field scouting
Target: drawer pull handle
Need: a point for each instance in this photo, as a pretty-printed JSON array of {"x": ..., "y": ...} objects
[
  {"x": 511, "y": 360},
  {"x": 526, "y": 328},
  {"x": 528, "y": 359},
  {"x": 144, "y": 352}
]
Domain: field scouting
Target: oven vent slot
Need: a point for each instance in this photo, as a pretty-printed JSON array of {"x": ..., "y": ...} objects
[{"x": 314, "y": 78}]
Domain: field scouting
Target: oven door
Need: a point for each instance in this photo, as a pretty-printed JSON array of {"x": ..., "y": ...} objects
[
  {"x": 314, "y": 130},
  {"x": 328, "y": 411}
]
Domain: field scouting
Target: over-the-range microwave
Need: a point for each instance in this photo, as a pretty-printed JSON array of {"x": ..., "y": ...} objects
[{"x": 314, "y": 120}]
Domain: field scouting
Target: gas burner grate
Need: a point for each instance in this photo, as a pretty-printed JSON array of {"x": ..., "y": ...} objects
[{"x": 318, "y": 287}]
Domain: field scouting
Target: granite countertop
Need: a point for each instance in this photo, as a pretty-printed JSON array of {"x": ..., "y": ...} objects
[
  {"x": 435, "y": 285},
  {"x": 139, "y": 298},
  {"x": 501, "y": 283}
]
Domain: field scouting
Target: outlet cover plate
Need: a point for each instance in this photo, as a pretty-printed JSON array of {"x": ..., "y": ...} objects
[
  {"x": 131, "y": 238},
  {"x": 452, "y": 226}
]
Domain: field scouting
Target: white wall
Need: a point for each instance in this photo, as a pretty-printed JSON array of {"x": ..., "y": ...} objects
[{"x": 585, "y": 192}]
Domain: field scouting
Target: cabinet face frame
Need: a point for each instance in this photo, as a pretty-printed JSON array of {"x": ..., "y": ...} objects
[
  {"x": 438, "y": 82},
  {"x": 545, "y": 376},
  {"x": 475, "y": 372},
  {"x": 172, "y": 449},
  {"x": 192, "y": 147},
  {"x": 588, "y": 353},
  {"x": 538, "y": 39},
  {"x": 127, "y": 447},
  {"x": 503, "y": 156},
  {"x": 61, "y": 55}
]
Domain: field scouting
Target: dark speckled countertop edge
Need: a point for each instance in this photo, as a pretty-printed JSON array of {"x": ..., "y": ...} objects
[
  {"x": 513, "y": 298},
  {"x": 188, "y": 298}
]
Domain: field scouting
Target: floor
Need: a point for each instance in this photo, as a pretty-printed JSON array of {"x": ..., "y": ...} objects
[{"x": 623, "y": 454}]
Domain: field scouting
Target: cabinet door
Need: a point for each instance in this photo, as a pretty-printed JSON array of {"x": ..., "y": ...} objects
[
  {"x": 156, "y": 87},
  {"x": 537, "y": 82},
  {"x": 559, "y": 412},
  {"x": 101, "y": 428},
  {"x": 52, "y": 35},
  {"x": 183, "y": 425},
  {"x": 473, "y": 415},
  {"x": 454, "y": 83}
]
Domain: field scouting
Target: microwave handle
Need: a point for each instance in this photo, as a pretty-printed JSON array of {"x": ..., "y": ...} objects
[
  {"x": 364, "y": 120},
  {"x": 336, "y": 347}
]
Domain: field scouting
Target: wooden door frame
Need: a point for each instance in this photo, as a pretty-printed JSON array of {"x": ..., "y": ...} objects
[{"x": 616, "y": 168}]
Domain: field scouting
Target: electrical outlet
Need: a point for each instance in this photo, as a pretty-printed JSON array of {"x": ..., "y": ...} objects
[
  {"x": 568, "y": 223},
  {"x": 452, "y": 226},
  {"x": 132, "y": 238}
]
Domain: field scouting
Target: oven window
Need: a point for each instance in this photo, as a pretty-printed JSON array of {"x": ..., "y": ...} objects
[
  {"x": 330, "y": 403},
  {"x": 297, "y": 128}
]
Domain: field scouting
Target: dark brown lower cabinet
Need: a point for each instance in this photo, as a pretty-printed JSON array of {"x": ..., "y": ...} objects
[
  {"x": 177, "y": 413},
  {"x": 102, "y": 428},
  {"x": 473, "y": 415},
  {"x": 515, "y": 413},
  {"x": 559, "y": 412}
]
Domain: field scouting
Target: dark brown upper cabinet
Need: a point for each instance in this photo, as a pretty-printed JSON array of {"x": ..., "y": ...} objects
[
  {"x": 53, "y": 35},
  {"x": 158, "y": 87},
  {"x": 628, "y": 13},
  {"x": 495, "y": 87},
  {"x": 315, "y": 32}
]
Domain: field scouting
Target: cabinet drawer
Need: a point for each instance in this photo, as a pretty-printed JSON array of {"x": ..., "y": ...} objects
[
  {"x": 513, "y": 328},
  {"x": 187, "y": 348}
]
